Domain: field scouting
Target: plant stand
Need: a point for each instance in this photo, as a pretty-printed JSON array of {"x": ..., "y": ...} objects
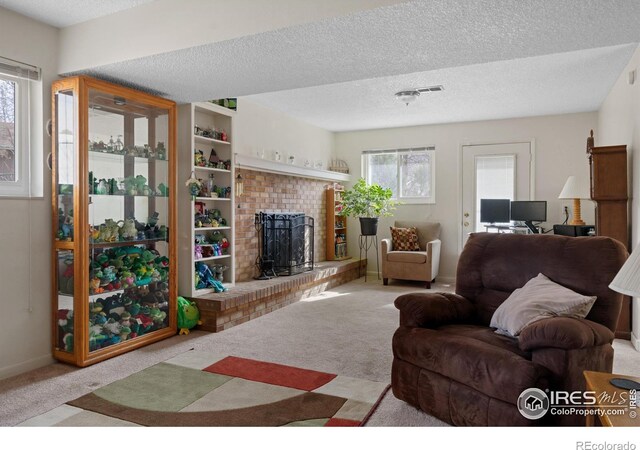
[{"x": 366, "y": 241}]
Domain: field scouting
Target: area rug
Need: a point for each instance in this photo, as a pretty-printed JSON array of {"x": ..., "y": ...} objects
[{"x": 200, "y": 389}]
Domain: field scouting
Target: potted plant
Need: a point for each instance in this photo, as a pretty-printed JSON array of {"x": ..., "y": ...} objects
[{"x": 368, "y": 202}]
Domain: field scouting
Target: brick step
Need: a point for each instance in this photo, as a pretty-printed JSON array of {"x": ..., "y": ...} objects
[{"x": 248, "y": 300}]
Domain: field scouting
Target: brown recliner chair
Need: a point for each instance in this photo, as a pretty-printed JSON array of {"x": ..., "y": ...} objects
[{"x": 448, "y": 362}]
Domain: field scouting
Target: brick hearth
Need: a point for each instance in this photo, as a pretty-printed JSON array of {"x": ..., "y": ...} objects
[{"x": 251, "y": 299}]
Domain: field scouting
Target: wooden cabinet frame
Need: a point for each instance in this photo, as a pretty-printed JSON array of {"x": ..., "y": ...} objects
[{"x": 80, "y": 86}]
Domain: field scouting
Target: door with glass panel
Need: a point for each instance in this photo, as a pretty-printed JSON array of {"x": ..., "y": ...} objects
[{"x": 492, "y": 171}]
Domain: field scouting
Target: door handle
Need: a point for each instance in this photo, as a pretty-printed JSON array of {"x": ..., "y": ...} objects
[
  {"x": 466, "y": 214},
  {"x": 466, "y": 224}
]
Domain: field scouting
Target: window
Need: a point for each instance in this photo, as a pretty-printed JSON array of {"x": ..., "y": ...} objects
[
  {"x": 7, "y": 129},
  {"x": 410, "y": 173},
  {"x": 15, "y": 128}
]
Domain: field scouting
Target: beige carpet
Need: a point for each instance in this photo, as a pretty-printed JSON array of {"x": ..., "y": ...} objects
[{"x": 346, "y": 331}]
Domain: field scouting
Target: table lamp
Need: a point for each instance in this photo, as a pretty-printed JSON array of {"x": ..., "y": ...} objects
[
  {"x": 575, "y": 190},
  {"x": 627, "y": 282}
]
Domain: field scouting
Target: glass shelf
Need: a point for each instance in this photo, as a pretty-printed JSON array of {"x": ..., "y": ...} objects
[{"x": 120, "y": 155}]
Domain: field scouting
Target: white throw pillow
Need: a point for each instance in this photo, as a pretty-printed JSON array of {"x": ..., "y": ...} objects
[{"x": 539, "y": 299}]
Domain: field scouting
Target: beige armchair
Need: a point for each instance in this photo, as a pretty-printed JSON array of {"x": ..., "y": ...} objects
[{"x": 420, "y": 265}]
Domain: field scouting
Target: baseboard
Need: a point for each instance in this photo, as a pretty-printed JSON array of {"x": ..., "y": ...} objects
[
  {"x": 635, "y": 341},
  {"x": 17, "y": 369},
  {"x": 439, "y": 279},
  {"x": 446, "y": 280}
]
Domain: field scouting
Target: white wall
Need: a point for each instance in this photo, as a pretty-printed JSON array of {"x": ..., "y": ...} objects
[
  {"x": 25, "y": 228},
  {"x": 257, "y": 128},
  {"x": 560, "y": 147},
  {"x": 618, "y": 124}
]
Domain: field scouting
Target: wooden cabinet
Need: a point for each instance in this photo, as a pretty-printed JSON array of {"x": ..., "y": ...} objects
[
  {"x": 336, "y": 226},
  {"x": 114, "y": 221},
  {"x": 206, "y": 223},
  {"x": 609, "y": 190}
]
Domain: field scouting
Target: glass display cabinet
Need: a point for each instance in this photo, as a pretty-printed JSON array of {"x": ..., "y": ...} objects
[{"x": 114, "y": 219}]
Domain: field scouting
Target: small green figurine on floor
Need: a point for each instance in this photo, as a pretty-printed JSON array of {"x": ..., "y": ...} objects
[{"x": 188, "y": 315}]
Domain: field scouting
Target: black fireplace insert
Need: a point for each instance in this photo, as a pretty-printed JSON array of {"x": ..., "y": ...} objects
[{"x": 285, "y": 243}]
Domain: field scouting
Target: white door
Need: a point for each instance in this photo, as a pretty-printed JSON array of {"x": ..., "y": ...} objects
[{"x": 492, "y": 171}]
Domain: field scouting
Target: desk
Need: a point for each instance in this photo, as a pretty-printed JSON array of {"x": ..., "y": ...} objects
[
  {"x": 574, "y": 230},
  {"x": 366, "y": 242},
  {"x": 599, "y": 383},
  {"x": 507, "y": 229}
]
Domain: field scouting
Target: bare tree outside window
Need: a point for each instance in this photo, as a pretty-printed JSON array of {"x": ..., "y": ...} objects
[
  {"x": 384, "y": 171},
  {"x": 7, "y": 130},
  {"x": 409, "y": 173},
  {"x": 415, "y": 174}
]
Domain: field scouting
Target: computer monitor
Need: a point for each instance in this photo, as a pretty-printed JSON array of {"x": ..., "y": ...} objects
[
  {"x": 529, "y": 212},
  {"x": 494, "y": 210}
]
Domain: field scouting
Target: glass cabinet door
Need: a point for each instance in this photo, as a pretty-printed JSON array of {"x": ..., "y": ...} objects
[
  {"x": 65, "y": 177},
  {"x": 128, "y": 217}
]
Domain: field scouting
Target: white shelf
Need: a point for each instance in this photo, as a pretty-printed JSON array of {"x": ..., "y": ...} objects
[
  {"x": 209, "y": 107},
  {"x": 210, "y": 228},
  {"x": 211, "y": 169},
  {"x": 210, "y": 140},
  {"x": 267, "y": 165},
  {"x": 211, "y": 258},
  {"x": 217, "y": 199}
]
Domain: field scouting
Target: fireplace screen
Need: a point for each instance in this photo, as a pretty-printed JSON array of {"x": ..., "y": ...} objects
[{"x": 285, "y": 243}]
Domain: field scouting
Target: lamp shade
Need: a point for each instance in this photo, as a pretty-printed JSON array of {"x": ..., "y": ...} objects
[
  {"x": 575, "y": 188},
  {"x": 627, "y": 281}
]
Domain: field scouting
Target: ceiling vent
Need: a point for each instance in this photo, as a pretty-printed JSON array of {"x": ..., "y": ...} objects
[{"x": 409, "y": 95}]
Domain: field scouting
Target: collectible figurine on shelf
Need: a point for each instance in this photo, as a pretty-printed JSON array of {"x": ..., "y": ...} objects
[
  {"x": 206, "y": 278},
  {"x": 219, "y": 272},
  {"x": 103, "y": 188},
  {"x": 128, "y": 229},
  {"x": 112, "y": 185},
  {"x": 194, "y": 185},
  {"x": 141, "y": 183},
  {"x": 153, "y": 219},
  {"x": 161, "y": 151},
  {"x": 163, "y": 189},
  {"x": 198, "y": 159}
]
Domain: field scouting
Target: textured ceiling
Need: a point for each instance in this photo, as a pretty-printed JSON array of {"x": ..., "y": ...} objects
[
  {"x": 550, "y": 84},
  {"x": 496, "y": 58},
  {"x": 62, "y": 13}
]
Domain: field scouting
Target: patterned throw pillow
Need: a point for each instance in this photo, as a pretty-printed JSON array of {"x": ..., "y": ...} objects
[{"x": 404, "y": 239}]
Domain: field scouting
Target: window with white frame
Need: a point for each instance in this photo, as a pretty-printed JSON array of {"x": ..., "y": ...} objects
[
  {"x": 409, "y": 172},
  {"x": 15, "y": 127}
]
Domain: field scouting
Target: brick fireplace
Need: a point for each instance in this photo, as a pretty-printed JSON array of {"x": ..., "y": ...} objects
[
  {"x": 250, "y": 298},
  {"x": 265, "y": 191}
]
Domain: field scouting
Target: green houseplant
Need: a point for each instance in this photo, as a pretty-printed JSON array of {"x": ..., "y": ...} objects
[{"x": 368, "y": 202}]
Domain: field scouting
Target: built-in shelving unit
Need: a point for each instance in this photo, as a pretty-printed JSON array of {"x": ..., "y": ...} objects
[
  {"x": 336, "y": 226},
  {"x": 196, "y": 213}
]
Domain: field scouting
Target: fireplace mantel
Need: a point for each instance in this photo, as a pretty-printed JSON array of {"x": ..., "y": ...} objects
[{"x": 266, "y": 165}]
